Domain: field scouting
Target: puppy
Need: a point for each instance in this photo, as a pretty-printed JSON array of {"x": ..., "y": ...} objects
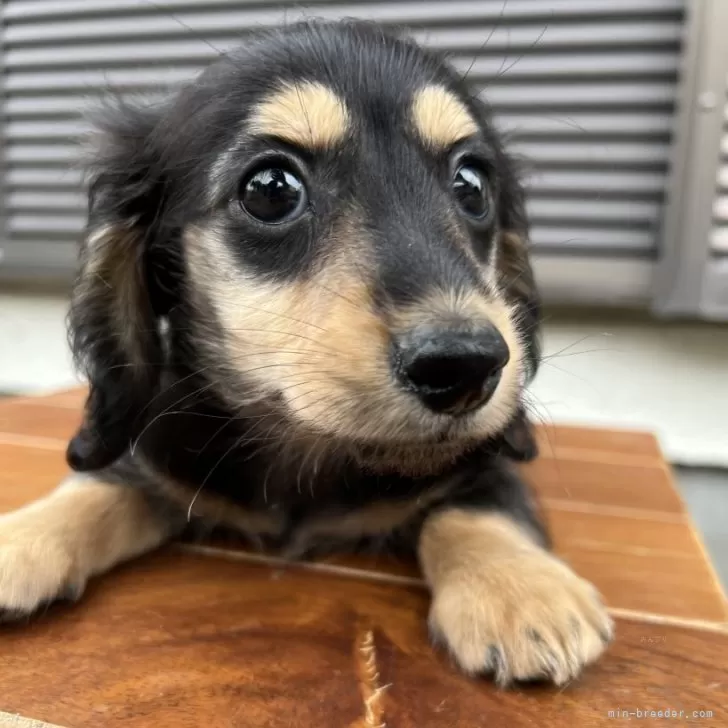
[{"x": 306, "y": 313}]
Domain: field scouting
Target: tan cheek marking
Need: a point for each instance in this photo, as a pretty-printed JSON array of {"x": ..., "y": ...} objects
[
  {"x": 327, "y": 322},
  {"x": 501, "y": 603},
  {"x": 319, "y": 342},
  {"x": 258, "y": 317},
  {"x": 306, "y": 114},
  {"x": 352, "y": 328},
  {"x": 440, "y": 118}
]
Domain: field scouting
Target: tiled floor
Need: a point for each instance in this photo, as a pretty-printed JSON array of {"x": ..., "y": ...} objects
[{"x": 706, "y": 494}]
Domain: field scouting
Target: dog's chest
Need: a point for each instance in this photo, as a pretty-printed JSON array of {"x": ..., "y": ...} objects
[
  {"x": 282, "y": 505},
  {"x": 298, "y": 530}
]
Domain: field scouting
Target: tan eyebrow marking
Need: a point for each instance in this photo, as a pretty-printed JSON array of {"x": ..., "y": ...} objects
[
  {"x": 440, "y": 118},
  {"x": 306, "y": 114}
]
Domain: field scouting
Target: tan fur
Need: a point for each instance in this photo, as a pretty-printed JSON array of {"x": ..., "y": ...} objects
[
  {"x": 50, "y": 548},
  {"x": 317, "y": 342},
  {"x": 495, "y": 592},
  {"x": 307, "y": 114},
  {"x": 447, "y": 306},
  {"x": 440, "y": 118},
  {"x": 324, "y": 347}
]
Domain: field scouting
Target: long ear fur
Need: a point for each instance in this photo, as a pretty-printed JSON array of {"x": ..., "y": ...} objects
[
  {"x": 518, "y": 441},
  {"x": 113, "y": 326}
]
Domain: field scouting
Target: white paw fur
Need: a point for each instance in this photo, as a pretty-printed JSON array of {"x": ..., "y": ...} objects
[
  {"x": 35, "y": 567},
  {"x": 51, "y": 548},
  {"x": 526, "y": 617}
]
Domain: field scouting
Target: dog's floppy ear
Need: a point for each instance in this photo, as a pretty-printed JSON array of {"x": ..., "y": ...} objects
[
  {"x": 113, "y": 321},
  {"x": 518, "y": 440}
]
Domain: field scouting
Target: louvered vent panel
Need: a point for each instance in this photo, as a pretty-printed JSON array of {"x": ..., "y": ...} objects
[
  {"x": 719, "y": 236},
  {"x": 585, "y": 90}
]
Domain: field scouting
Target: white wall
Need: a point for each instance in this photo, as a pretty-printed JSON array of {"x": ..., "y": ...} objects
[
  {"x": 34, "y": 356},
  {"x": 671, "y": 379}
]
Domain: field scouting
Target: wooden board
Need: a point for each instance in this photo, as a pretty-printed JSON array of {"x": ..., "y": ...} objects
[{"x": 212, "y": 636}]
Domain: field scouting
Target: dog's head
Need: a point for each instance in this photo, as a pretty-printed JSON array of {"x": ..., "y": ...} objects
[{"x": 324, "y": 223}]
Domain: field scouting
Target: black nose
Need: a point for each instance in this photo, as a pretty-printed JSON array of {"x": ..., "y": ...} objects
[{"x": 451, "y": 371}]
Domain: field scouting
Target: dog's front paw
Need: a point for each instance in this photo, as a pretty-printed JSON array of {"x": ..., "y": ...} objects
[
  {"x": 527, "y": 617},
  {"x": 36, "y": 568}
]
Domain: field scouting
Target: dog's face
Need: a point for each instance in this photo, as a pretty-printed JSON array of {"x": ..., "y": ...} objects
[{"x": 330, "y": 226}]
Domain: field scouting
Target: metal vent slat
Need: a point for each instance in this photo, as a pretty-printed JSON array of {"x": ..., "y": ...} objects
[
  {"x": 585, "y": 91},
  {"x": 575, "y": 36},
  {"x": 719, "y": 233},
  {"x": 215, "y": 16},
  {"x": 44, "y": 9},
  {"x": 554, "y": 67},
  {"x": 42, "y": 178}
]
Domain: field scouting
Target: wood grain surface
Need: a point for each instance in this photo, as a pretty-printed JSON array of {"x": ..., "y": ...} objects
[{"x": 214, "y": 636}]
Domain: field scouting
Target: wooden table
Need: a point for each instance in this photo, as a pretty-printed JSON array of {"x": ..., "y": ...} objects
[{"x": 212, "y": 636}]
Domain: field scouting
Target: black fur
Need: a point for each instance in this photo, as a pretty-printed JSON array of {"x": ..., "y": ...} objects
[{"x": 161, "y": 409}]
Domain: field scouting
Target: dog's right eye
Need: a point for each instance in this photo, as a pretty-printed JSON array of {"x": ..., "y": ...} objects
[{"x": 273, "y": 195}]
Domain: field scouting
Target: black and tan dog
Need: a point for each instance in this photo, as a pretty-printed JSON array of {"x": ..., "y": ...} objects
[{"x": 306, "y": 313}]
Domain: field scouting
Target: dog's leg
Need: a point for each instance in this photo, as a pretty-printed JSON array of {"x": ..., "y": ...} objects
[
  {"x": 50, "y": 548},
  {"x": 501, "y": 603}
]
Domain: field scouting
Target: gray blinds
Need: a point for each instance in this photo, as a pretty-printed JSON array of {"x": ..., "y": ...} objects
[{"x": 585, "y": 89}]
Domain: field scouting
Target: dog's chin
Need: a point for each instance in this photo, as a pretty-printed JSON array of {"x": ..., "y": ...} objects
[
  {"x": 416, "y": 443},
  {"x": 421, "y": 452},
  {"x": 429, "y": 451}
]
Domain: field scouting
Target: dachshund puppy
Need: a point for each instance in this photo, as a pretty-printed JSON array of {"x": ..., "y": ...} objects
[{"x": 306, "y": 314}]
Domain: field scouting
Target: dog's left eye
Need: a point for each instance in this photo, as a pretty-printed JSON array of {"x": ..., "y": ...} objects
[
  {"x": 273, "y": 195},
  {"x": 472, "y": 191}
]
